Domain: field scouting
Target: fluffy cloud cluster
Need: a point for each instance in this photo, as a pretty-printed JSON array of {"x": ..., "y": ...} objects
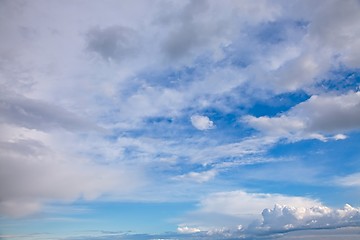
[
  {"x": 285, "y": 218},
  {"x": 243, "y": 203},
  {"x": 294, "y": 213}
]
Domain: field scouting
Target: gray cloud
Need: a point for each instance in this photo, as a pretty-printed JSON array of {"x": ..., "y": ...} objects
[
  {"x": 114, "y": 43},
  {"x": 317, "y": 118},
  {"x": 37, "y": 114},
  {"x": 34, "y": 172}
]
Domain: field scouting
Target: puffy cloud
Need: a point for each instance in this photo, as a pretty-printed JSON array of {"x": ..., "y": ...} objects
[
  {"x": 285, "y": 218},
  {"x": 296, "y": 213},
  {"x": 339, "y": 137},
  {"x": 239, "y": 203},
  {"x": 317, "y": 117},
  {"x": 202, "y": 122},
  {"x": 187, "y": 229}
]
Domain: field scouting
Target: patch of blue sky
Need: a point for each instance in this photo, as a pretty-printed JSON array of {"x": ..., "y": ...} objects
[
  {"x": 175, "y": 77},
  {"x": 336, "y": 157},
  {"x": 135, "y": 217},
  {"x": 276, "y": 32},
  {"x": 288, "y": 178},
  {"x": 184, "y": 166},
  {"x": 138, "y": 216},
  {"x": 277, "y": 104},
  {"x": 341, "y": 80}
]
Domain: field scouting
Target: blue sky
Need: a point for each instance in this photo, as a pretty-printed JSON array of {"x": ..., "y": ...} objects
[{"x": 179, "y": 119}]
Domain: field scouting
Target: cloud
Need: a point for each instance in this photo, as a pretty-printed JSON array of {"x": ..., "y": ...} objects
[
  {"x": 37, "y": 114},
  {"x": 199, "y": 177},
  {"x": 202, "y": 122},
  {"x": 238, "y": 203},
  {"x": 39, "y": 172},
  {"x": 188, "y": 230},
  {"x": 228, "y": 210},
  {"x": 352, "y": 180},
  {"x": 318, "y": 117},
  {"x": 285, "y": 218},
  {"x": 295, "y": 213},
  {"x": 114, "y": 43},
  {"x": 155, "y": 61}
]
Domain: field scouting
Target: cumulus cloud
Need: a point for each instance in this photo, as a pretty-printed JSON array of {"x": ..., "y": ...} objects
[
  {"x": 238, "y": 203},
  {"x": 285, "y": 218},
  {"x": 202, "y": 122},
  {"x": 187, "y": 229},
  {"x": 318, "y": 117},
  {"x": 295, "y": 213}
]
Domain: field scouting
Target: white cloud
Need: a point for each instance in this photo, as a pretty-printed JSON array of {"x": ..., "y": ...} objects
[
  {"x": 318, "y": 117},
  {"x": 199, "y": 177},
  {"x": 352, "y": 180},
  {"x": 284, "y": 218},
  {"x": 339, "y": 137},
  {"x": 187, "y": 229},
  {"x": 289, "y": 213},
  {"x": 277, "y": 126},
  {"x": 202, "y": 122},
  {"x": 239, "y": 203}
]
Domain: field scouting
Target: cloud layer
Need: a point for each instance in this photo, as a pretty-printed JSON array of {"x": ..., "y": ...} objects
[{"x": 182, "y": 101}]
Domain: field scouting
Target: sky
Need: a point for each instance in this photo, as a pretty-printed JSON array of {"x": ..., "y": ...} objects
[{"x": 166, "y": 119}]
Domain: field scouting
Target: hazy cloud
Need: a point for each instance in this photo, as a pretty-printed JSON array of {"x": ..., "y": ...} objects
[{"x": 351, "y": 180}]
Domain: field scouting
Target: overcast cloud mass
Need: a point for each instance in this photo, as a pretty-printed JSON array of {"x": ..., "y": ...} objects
[{"x": 195, "y": 119}]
